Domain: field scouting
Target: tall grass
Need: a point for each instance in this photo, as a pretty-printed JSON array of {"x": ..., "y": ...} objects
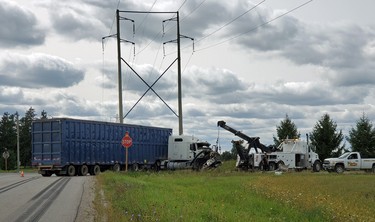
[{"x": 227, "y": 195}]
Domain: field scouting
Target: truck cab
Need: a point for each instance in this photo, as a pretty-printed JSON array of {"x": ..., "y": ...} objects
[{"x": 189, "y": 152}]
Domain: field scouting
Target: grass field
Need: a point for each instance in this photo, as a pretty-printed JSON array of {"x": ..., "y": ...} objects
[{"x": 226, "y": 195}]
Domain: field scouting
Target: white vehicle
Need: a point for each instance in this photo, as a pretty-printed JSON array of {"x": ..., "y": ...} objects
[
  {"x": 349, "y": 161},
  {"x": 186, "y": 152},
  {"x": 295, "y": 154}
]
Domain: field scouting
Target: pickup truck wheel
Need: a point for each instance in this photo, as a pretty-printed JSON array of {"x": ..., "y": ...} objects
[
  {"x": 373, "y": 168},
  {"x": 317, "y": 166},
  {"x": 71, "y": 171},
  {"x": 339, "y": 168}
]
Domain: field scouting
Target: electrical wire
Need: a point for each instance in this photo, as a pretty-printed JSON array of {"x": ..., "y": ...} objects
[
  {"x": 255, "y": 28},
  {"x": 233, "y": 20}
]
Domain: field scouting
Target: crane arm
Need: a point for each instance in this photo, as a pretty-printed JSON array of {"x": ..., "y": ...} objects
[{"x": 253, "y": 141}]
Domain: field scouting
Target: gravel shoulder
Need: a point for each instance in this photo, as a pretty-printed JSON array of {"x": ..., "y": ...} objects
[{"x": 86, "y": 211}]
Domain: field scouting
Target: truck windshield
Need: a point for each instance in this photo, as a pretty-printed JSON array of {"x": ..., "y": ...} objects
[{"x": 343, "y": 156}]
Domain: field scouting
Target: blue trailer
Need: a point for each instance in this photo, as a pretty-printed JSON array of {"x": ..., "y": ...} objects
[{"x": 65, "y": 146}]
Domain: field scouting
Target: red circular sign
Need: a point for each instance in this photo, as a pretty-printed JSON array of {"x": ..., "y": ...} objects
[{"x": 127, "y": 141}]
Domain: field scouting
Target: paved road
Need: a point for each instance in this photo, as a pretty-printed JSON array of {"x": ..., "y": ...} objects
[{"x": 37, "y": 198}]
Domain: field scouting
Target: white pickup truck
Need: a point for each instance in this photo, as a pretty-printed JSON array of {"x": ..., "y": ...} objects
[{"x": 349, "y": 161}]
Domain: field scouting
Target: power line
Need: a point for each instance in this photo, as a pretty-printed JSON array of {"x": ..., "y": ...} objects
[
  {"x": 252, "y": 8},
  {"x": 181, "y": 5},
  {"x": 255, "y": 28}
]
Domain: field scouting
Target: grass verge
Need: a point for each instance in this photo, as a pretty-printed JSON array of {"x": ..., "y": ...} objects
[{"x": 224, "y": 195}]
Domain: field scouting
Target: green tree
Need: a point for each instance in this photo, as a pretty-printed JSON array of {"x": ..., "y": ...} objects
[
  {"x": 8, "y": 139},
  {"x": 43, "y": 115},
  {"x": 286, "y": 129},
  {"x": 362, "y": 137},
  {"x": 327, "y": 140},
  {"x": 226, "y": 155},
  {"x": 25, "y": 137}
]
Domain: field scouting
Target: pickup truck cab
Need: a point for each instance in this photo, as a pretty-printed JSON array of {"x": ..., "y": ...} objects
[{"x": 349, "y": 161}]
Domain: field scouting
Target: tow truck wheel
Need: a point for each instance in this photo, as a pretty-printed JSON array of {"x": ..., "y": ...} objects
[
  {"x": 280, "y": 163},
  {"x": 339, "y": 168},
  {"x": 272, "y": 166},
  {"x": 317, "y": 166}
]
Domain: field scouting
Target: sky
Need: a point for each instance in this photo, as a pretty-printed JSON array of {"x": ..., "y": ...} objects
[{"x": 250, "y": 63}]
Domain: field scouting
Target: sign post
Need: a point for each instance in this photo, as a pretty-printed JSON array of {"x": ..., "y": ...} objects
[
  {"x": 126, "y": 142},
  {"x": 6, "y": 156}
]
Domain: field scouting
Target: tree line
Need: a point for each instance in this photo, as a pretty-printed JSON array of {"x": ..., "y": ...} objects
[
  {"x": 8, "y": 137},
  {"x": 326, "y": 138}
]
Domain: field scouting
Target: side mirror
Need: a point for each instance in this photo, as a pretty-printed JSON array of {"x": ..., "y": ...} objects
[{"x": 193, "y": 147}]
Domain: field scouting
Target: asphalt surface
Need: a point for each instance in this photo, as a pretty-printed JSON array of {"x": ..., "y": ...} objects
[{"x": 36, "y": 198}]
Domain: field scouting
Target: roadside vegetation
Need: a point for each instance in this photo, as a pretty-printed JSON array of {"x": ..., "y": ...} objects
[{"x": 226, "y": 195}]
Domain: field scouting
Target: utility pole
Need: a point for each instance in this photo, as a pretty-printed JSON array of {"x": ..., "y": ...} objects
[
  {"x": 18, "y": 143},
  {"x": 178, "y": 59},
  {"x": 180, "y": 123},
  {"x": 120, "y": 107}
]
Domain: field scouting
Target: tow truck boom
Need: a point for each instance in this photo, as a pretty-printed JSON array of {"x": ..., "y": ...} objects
[{"x": 252, "y": 141}]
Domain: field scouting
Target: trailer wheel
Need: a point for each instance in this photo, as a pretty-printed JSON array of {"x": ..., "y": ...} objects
[
  {"x": 339, "y": 168},
  {"x": 116, "y": 167},
  {"x": 95, "y": 170},
  {"x": 71, "y": 171},
  {"x": 47, "y": 174},
  {"x": 317, "y": 166},
  {"x": 135, "y": 167},
  {"x": 83, "y": 170}
]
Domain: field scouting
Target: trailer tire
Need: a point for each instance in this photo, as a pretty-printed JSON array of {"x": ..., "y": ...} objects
[
  {"x": 71, "y": 171},
  {"x": 135, "y": 167},
  {"x": 47, "y": 174},
  {"x": 317, "y": 166},
  {"x": 95, "y": 170},
  {"x": 339, "y": 168},
  {"x": 83, "y": 170},
  {"x": 116, "y": 167}
]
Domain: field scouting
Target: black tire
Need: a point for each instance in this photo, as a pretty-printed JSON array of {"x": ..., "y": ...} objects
[
  {"x": 135, "y": 167},
  {"x": 373, "y": 168},
  {"x": 71, "y": 171},
  {"x": 47, "y": 174},
  {"x": 279, "y": 163},
  {"x": 83, "y": 170},
  {"x": 317, "y": 166},
  {"x": 339, "y": 168},
  {"x": 272, "y": 166},
  {"x": 116, "y": 167},
  {"x": 157, "y": 166},
  {"x": 95, "y": 170}
]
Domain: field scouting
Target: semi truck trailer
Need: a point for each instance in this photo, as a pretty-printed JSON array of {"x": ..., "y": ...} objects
[{"x": 65, "y": 146}]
